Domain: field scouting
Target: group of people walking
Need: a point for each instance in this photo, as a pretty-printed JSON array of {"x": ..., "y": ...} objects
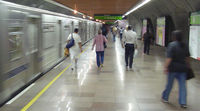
[{"x": 176, "y": 65}]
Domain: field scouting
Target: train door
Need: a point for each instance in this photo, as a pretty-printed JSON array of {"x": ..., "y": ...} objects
[
  {"x": 60, "y": 30},
  {"x": 95, "y": 30},
  {"x": 81, "y": 31},
  {"x": 67, "y": 30},
  {"x": 73, "y": 27},
  {"x": 88, "y": 31},
  {"x": 85, "y": 30},
  {"x": 91, "y": 30},
  {"x": 33, "y": 35}
]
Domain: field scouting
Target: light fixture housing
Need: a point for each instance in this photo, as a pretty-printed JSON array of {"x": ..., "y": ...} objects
[{"x": 75, "y": 11}]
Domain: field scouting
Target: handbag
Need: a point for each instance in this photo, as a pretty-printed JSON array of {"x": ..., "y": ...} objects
[
  {"x": 135, "y": 53},
  {"x": 70, "y": 43},
  {"x": 66, "y": 52},
  {"x": 104, "y": 43},
  {"x": 190, "y": 74}
]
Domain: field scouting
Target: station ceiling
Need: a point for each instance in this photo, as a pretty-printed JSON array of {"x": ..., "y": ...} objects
[{"x": 91, "y": 7}]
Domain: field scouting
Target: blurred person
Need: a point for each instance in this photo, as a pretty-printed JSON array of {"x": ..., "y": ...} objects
[
  {"x": 76, "y": 49},
  {"x": 99, "y": 42},
  {"x": 104, "y": 30},
  {"x": 121, "y": 32},
  {"x": 105, "y": 33},
  {"x": 176, "y": 66},
  {"x": 130, "y": 40},
  {"x": 114, "y": 32},
  {"x": 123, "y": 41},
  {"x": 147, "y": 41}
]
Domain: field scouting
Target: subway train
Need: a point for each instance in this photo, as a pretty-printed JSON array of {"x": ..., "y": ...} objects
[{"x": 32, "y": 41}]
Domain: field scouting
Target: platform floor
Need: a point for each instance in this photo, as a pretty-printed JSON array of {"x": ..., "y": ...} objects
[{"x": 111, "y": 89}]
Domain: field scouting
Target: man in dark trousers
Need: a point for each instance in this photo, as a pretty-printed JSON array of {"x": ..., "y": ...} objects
[
  {"x": 147, "y": 41},
  {"x": 130, "y": 40},
  {"x": 104, "y": 30}
]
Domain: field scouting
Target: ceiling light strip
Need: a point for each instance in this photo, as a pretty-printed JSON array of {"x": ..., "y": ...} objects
[
  {"x": 137, "y": 7},
  {"x": 63, "y": 6}
]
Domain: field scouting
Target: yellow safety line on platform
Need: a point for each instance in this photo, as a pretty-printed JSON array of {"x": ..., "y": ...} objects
[{"x": 47, "y": 86}]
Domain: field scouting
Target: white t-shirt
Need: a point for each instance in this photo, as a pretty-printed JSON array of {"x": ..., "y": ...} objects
[
  {"x": 74, "y": 50},
  {"x": 130, "y": 37}
]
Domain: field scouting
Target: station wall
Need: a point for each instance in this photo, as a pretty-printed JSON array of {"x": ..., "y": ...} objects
[{"x": 178, "y": 10}]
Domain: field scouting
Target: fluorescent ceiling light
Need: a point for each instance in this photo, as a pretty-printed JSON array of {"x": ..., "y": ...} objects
[
  {"x": 63, "y": 6},
  {"x": 137, "y": 6}
]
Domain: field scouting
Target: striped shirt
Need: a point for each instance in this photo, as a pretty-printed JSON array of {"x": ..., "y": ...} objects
[{"x": 99, "y": 42}]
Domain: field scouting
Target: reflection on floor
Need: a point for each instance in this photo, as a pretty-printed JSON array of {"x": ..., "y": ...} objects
[{"x": 111, "y": 89}]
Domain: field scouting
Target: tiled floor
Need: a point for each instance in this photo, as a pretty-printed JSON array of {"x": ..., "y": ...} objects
[{"x": 111, "y": 89}]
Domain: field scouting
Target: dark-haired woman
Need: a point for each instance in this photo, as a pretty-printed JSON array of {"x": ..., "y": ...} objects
[{"x": 176, "y": 66}]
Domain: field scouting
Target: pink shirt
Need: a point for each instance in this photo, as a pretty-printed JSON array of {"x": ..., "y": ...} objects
[{"x": 98, "y": 41}]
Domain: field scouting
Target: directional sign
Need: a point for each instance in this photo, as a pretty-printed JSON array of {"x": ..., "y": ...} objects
[{"x": 108, "y": 17}]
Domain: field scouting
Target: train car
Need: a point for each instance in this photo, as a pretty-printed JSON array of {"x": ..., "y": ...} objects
[{"x": 32, "y": 42}]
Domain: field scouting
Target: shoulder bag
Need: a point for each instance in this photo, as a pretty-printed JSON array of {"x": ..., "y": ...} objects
[
  {"x": 190, "y": 74},
  {"x": 71, "y": 42}
]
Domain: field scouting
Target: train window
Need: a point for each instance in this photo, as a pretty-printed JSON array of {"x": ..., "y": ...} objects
[
  {"x": 15, "y": 43},
  {"x": 49, "y": 37},
  {"x": 68, "y": 30}
]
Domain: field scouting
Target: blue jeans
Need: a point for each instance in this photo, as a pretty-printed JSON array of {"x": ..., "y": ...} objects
[
  {"x": 181, "y": 77},
  {"x": 100, "y": 55}
]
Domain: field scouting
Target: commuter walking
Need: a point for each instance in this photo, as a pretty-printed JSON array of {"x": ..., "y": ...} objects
[
  {"x": 75, "y": 49},
  {"x": 130, "y": 40},
  {"x": 104, "y": 30},
  {"x": 99, "y": 42},
  {"x": 121, "y": 32},
  {"x": 176, "y": 66},
  {"x": 147, "y": 41},
  {"x": 114, "y": 32}
]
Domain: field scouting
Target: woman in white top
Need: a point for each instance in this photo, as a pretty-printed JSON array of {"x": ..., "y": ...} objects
[{"x": 76, "y": 49}]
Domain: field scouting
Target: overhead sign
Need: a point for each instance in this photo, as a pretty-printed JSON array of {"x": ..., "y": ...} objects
[
  {"x": 195, "y": 18},
  {"x": 108, "y": 17},
  {"x": 110, "y": 23}
]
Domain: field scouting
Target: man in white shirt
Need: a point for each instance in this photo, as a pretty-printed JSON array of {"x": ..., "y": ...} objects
[
  {"x": 76, "y": 49},
  {"x": 130, "y": 40}
]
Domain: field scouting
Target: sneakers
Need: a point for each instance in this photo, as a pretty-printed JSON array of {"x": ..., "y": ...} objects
[
  {"x": 99, "y": 69},
  {"x": 126, "y": 68},
  {"x": 164, "y": 101},
  {"x": 183, "y": 106}
]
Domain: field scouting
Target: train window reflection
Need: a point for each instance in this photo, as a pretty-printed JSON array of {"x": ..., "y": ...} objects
[{"x": 15, "y": 43}]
